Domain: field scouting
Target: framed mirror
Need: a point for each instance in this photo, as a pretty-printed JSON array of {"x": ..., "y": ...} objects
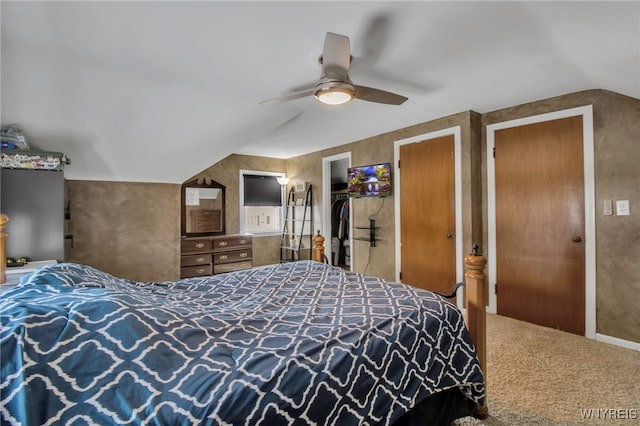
[{"x": 202, "y": 208}]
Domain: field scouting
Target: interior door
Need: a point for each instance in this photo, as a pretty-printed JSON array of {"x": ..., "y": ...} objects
[
  {"x": 427, "y": 215},
  {"x": 540, "y": 251}
]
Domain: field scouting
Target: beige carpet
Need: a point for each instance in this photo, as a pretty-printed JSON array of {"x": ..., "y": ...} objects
[{"x": 541, "y": 376}]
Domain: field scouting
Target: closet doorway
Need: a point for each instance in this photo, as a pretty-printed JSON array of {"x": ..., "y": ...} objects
[{"x": 336, "y": 211}]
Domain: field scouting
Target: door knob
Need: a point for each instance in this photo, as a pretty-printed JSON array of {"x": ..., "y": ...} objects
[
  {"x": 449, "y": 236},
  {"x": 576, "y": 239}
]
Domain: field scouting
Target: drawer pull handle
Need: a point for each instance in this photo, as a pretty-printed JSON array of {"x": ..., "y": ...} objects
[
  {"x": 223, "y": 267},
  {"x": 243, "y": 254},
  {"x": 199, "y": 259},
  {"x": 222, "y": 243},
  {"x": 199, "y": 245},
  {"x": 200, "y": 270},
  {"x": 243, "y": 241},
  {"x": 244, "y": 265},
  {"x": 223, "y": 257}
]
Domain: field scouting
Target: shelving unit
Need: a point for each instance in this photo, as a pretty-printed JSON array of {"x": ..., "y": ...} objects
[{"x": 297, "y": 233}]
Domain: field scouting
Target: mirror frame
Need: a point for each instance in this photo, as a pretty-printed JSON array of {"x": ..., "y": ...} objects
[{"x": 201, "y": 183}]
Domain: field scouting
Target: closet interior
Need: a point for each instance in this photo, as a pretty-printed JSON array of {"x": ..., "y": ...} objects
[{"x": 340, "y": 217}]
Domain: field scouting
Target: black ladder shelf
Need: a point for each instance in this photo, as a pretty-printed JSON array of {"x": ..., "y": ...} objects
[{"x": 297, "y": 233}]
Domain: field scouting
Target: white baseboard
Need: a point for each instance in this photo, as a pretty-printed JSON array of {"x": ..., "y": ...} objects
[{"x": 618, "y": 342}]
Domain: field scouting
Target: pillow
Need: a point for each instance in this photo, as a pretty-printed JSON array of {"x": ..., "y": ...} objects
[{"x": 70, "y": 274}]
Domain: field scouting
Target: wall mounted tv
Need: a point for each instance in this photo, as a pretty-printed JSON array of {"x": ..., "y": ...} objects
[{"x": 369, "y": 181}]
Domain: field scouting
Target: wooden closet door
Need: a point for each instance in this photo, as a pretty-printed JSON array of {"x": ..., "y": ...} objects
[
  {"x": 540, "y": 252},
  {"x": 427, "y": 220}
]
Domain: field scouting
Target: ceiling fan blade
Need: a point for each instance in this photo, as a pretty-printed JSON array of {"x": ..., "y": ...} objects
[
  {"x": 380, "y": 96},
  {"x": 303, "y": 87},
  {"x": 374, "y": 38},
  {"x": 336, "y": 56},
  {"x": 286, "y": 98},
  {"x": 360, "y": 70}
]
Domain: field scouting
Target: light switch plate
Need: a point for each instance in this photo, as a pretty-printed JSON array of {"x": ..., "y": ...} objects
[
  {"x": 622, "y": 207},
  {"x": 608, "y": 207}
]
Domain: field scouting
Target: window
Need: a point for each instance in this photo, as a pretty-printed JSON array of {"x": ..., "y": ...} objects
[{"x": 261, "y": 201}]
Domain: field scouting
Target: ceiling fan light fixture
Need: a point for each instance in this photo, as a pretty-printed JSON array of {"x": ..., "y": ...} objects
[
  {"x": 335, "y": 93},
  {"x": 335, "y": 86}
]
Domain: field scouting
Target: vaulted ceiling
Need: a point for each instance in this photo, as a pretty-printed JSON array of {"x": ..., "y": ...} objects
[{"x": 158, "y": 91}]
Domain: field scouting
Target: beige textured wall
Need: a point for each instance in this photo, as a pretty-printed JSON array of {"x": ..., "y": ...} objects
[
  {"x": 130, "y": 230},
  {"x": 380, "y": 260},
  {"x": 266, "y": 250},
  {"x": 617, "y": 176},
  {"x": 617, "y": 156},
  {"x": 111, "y": 219}
]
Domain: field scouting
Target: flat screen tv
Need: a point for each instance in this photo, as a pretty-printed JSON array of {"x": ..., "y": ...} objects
[{"x": 369, "y": 181}]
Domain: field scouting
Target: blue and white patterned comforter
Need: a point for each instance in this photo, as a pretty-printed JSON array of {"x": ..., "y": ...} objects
[{"x": 298, "y": 343}]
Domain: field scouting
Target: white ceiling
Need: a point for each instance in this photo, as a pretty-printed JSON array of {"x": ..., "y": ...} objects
[{"x": 158, "y": 91}]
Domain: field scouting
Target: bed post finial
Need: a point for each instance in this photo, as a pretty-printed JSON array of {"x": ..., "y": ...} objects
[
  {"x": 476, "y": 294},
  {"x": 318, "y": 248},
  {"x": 4, "y": 219}
]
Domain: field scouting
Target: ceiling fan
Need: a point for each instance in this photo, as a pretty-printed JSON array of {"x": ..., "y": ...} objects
[{"x": 335, "y": 87}]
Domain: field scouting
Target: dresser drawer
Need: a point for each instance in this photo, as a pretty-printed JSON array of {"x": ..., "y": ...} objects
[
  {"x": 230, "y": 267},
  {"x": 195, "y": 271},
  {"x": 196, "y": 259},
  {"x": 232, "y": 256},
  {"x": 229, "y": 242},
  {"x": 199, "y": 245},
  {"x": 215, "y": 254}
]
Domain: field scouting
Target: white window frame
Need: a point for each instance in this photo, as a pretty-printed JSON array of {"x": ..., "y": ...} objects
[{"x": 241, "y": 198}]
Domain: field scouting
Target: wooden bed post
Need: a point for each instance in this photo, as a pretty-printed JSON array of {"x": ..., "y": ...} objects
[
  {"x": 476, "y": 294},
  {"x": 4, "y": 219},
  {"x": 318, "y": 248}
]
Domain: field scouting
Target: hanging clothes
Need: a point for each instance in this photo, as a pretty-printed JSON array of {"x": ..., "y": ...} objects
[{"x": 339, "y": 229}]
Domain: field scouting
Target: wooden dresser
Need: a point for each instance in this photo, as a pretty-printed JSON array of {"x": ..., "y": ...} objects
[{"x": 201, "y": 256}]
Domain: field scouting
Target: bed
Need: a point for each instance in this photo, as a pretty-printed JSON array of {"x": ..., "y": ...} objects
[{"x": 294, "y": 343}]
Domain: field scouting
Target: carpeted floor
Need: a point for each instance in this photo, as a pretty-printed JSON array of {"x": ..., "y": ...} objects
[{"x": 541, "y": 376}]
